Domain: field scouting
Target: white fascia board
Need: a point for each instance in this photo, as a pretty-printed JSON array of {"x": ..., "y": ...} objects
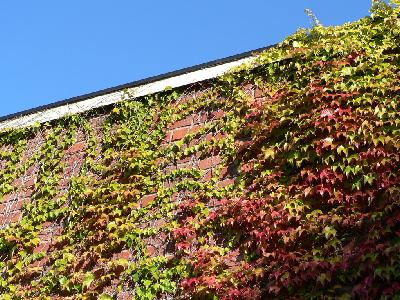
[{"x": 114, "y": 97}]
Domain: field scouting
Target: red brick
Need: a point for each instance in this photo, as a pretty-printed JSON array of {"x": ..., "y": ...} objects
[
  {"x": 175, "y": 196},
  {"x": 170, "y": 168},
  {"x": 215, "y": 136},
  {"x": 145, "y": 200},
  {"x": 125, "y": 254},
  {"x": 15, "y": 217},
  {"x": 209, "y": 162},
  {"x": 31, "y": 182},
  {"x": 209, "y": 136},
  {"x": 168, "y": 136},
  {"x": 228, "y": 171},
  {"x": 28, "y": 193},
  {"x": 218, "y": 114},
  {"x": 151, "y": 250},
  {"x": 207, "y": 176},
  {"x": 160, "y": 223},
  {"x": 194, "y": 142},
  {"x": 180, "y": 133},
  {"x": 19, "y": 204},
  {"x": 46, "y": 225},
  {"x": 40, "y": 263},
  {"x": 194, "y": 129},
  {"x": 18, "y": 182},
  {"x": 42, "y": 247},
  {"x": 224, "y": 172},
  {"x": 225, "y": 182},
  {"x": 183, "y": 99},
  {"x": 169, "y": 184},
  {"x": 200, "y": 118},
  {"x": 80, "y": 136},
  {"x": 162, "y": 236},
  {"x": 8, "y": 197},
  {"x": 77, "y": 147},
  {"x": 74, "y": 159},
  {"x": 258, "y": 93},
  {"x": 3, "y": 220},
  {"x": 184, "y": 160},
  {"x": 182, "y": 123},
  {"x": 124, "y": 295},
  {"x": 248, "y": 86},
  {"x": 31, "y": 170},
  {"x": 63, "y": 184},
  {"x": 187, "y": 165},
  {"x": 220, "y": 135}
]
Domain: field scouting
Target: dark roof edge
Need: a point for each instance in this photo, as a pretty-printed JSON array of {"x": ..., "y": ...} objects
[{"x": 135, "y": 83}]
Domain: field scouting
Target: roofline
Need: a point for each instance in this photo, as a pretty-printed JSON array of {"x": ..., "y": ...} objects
[{"x": 133, "y": 84}]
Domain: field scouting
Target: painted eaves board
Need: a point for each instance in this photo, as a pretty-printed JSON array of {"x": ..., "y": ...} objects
[{"x": 113, "y": 95}]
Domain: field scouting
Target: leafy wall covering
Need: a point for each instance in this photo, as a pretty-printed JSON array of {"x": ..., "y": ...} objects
[{"x": 278, "y": 180}]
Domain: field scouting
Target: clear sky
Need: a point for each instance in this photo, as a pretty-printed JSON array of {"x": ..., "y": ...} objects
[{"x": 52, "y": 50}]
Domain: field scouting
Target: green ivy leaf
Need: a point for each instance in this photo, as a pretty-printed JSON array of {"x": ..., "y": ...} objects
[{"x": 89, "y": 277}]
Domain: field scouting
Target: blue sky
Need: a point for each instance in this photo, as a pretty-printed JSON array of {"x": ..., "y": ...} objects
[{"x": 52, "y": 50}]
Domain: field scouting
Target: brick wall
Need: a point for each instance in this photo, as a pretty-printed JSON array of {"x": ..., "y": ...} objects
[{"x": 207, "y": 163}]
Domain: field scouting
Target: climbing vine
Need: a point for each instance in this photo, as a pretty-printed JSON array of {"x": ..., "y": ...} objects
[{"x": 285, "y": 183}]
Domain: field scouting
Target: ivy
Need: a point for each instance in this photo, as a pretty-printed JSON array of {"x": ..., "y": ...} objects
[{"x": 310, "y": 207}]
